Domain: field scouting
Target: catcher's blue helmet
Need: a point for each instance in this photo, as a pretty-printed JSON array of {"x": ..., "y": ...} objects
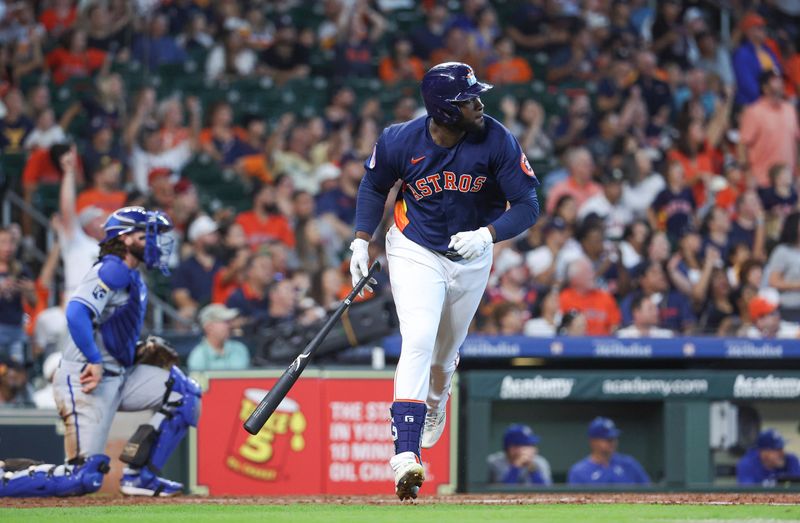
[
  {"x": 153, "y": 223},
  {"x": 446, "y": 83}
]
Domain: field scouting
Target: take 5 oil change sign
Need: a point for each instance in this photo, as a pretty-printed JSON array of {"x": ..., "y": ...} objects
[{"x": 330, "y": 435}]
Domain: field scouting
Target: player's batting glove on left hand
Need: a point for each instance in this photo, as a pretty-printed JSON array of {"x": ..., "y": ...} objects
[
  {"x": 359, "y": 264},
  {"x": 471, "y": 244}
]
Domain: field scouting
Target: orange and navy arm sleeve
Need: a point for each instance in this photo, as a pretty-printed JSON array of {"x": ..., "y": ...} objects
[{"x": 378, "y": 180}]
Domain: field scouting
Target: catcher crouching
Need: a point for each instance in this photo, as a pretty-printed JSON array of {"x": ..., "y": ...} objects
[{"x": 105, "y": 370}]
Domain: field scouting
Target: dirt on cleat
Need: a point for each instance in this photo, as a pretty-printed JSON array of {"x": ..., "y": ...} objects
[{"x": 408, "y": 486}]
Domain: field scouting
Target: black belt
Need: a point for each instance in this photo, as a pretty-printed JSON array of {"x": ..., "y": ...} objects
[{"x": 453, "y": 255}]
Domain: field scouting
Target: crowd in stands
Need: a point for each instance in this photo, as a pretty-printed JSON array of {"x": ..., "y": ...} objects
[{"x": 666, "y": 147}]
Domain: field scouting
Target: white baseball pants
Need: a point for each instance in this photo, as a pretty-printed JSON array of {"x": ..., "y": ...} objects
[{"x": 436, "y": 299}]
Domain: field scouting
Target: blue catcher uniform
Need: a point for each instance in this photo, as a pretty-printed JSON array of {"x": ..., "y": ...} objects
[
  {"x": 104, "y": 317},
  {"x": 439, "y": 247}
]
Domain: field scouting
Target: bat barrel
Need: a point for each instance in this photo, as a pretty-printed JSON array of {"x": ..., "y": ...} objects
[{"x": 271, "y": 401}]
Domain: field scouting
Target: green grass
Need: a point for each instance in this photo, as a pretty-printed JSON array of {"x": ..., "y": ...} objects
[{"x": 440, "y": 513}]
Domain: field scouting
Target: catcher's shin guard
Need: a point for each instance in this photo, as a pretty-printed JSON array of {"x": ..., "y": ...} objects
[
  {"x": 56, "y": 480},
  {"x": 153, "y": 443}
]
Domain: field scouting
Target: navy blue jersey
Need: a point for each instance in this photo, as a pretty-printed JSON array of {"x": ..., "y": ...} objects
[{"x": 448, "y": 190}]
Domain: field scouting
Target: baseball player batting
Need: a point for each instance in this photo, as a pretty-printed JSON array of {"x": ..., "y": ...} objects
[
  {"x": 459, "y": 168},
  {"x": 101, "y": 372}
]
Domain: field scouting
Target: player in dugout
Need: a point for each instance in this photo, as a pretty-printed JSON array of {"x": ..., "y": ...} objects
[
  {"x": 604, "y": 465},
  {"x": 767, "y": 463},
  {"x": 519, "y": 463}
]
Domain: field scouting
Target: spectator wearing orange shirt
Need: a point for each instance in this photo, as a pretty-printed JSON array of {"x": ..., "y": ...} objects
[
  {"x": 104, "y": 192},
  {"x": 697, "y": 148},
  {"x": 235, "y": 256},
  {"x": 400, "y": 65},
  {"x": 74, "y": 58},
  {"x": 59, "y": 18},
  {"x": 264, "y": 223},
  {"x": 769, "y": 132},
  {"x": 598, "y": 306},
  {"x": 173, "y": 131},
  {"x": 508, "y": 69},
  {"x": 578, "y": 184}
]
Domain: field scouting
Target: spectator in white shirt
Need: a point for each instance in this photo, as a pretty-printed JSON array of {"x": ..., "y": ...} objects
[
  {"x": 541, "y": 261},
  {"x": 645, "y": 320},
  {"x": 643, "y": 185},
  {"x": 46, "y": 133},
  {"x": 609, "y": 205}
]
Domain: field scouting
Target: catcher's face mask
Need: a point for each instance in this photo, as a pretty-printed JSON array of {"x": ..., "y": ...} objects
[{"x": 158, "y": 246}]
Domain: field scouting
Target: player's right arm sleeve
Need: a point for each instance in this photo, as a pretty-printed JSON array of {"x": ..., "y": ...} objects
[
  {"x": 79, "y": 324},
  {"x": 378, "y": 180},
  {"x": 518, "y": 184}
]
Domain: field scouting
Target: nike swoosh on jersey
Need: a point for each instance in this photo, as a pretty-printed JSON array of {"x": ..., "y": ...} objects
[{"x": 415, "y": 161}]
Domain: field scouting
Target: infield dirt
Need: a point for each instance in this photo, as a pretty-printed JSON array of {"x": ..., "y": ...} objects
[{"x": 766, "y": 498}]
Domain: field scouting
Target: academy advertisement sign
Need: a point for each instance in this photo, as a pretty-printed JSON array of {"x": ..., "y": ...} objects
[{"x": 627, "y": 385}]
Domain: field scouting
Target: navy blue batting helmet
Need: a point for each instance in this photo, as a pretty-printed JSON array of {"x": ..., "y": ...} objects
[
  {"x": 447, "y": 83},
  {"x": 152, "y": 223}
]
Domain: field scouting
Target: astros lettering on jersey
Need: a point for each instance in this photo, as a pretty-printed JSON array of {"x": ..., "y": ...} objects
[{"x": 447, "y": 190}]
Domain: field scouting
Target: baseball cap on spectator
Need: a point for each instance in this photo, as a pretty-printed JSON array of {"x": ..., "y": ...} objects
[
  {"x": 752, "y": 20},
  {"x": 519, "y": 435},
  {"x": 692, "y": 14},
  {"x": 216, "y": 312},
  {"x": 596, "y": 20},
  {"x": 88, "y": 214},
  {"x": 603, "y": 428},
  {"x": 556, "y": 223},
  {"x": 158, "y": 172},
  {"x": 183, "y": 185},
  {"x": 98, "y": 123},
  {"x": 201, "y": 226},
  {"x": 349, "y": 156},
  {"x": 613, "y": 175},
  {"x": 770, "y": 439},
  {"x": 284, "y": 21},
  {"x": 505, "y": 261},
  {"x": 327, "y": 171},
  {"x": 760, "y": 307}
]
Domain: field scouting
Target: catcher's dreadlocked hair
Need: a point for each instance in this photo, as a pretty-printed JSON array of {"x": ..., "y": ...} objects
[{"x": 115, "y": 246}]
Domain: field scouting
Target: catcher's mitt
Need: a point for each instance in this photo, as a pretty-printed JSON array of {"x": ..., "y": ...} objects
[{"x": 156, "y": 351}]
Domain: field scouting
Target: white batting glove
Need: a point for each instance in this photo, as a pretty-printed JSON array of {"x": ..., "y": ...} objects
[
  {"x": 471, "y": 244},
  {"x": 359, "y": 264}
]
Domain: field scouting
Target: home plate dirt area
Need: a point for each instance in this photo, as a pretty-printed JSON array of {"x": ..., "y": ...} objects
[{"x": 454, "y": 499}]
